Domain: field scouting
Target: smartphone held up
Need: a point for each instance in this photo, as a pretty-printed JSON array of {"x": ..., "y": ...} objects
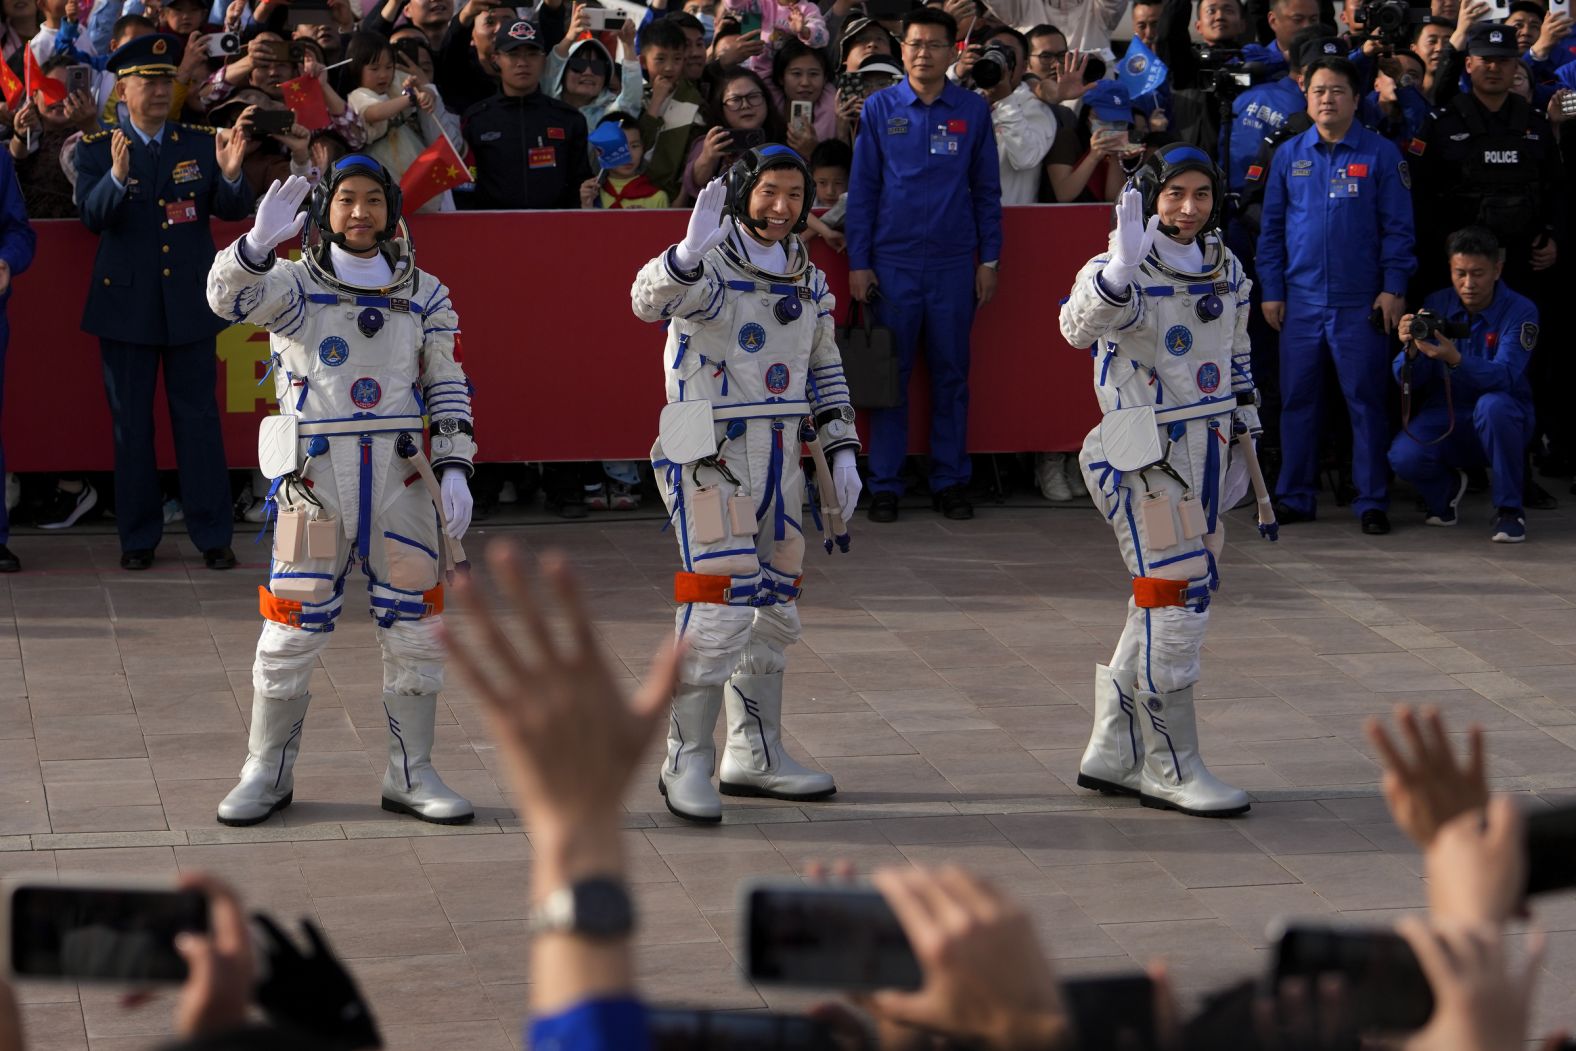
[{"x": 106, "y": 934}]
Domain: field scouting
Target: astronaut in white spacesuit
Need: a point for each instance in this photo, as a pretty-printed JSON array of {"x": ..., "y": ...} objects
[
  {"x": 750, "y": 362},
  {"x": 363, "y": 345},
  {"x": 1166, "y": 317}
]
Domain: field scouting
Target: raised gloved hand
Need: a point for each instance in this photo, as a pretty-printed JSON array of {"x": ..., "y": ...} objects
[
  {"x": 279, "y": 216},
  {"x": 845, "y": 481},
  {"x": 312, "y": 992},
  {"x": 457, "y": 502},
  {"x": 705, "y": 226},
  {"x": 1133, "y": 240}
]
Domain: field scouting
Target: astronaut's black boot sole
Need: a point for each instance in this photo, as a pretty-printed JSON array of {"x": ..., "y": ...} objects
[
  {"x": 1156, "y": 803},
  {"x": 394, "y": 806},
  {"x": 1108, "y": 788},
  {"x": 733, "y": 788}
]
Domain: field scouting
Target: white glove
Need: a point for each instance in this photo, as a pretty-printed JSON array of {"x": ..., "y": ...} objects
[
  {"x": 457, "y": 502},
  {"x": 1134, "y": 238},
  {"x": 705, "y": 226},
  {"x": 1248, "y": 417},
  {"x": 279, "y": 216},
  {"x": 845, "y": 481}
]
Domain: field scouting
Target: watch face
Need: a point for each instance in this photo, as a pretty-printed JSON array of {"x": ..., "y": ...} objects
[
  {"x": 442, "y": 445},
  {"x": 602, "y": 908}
]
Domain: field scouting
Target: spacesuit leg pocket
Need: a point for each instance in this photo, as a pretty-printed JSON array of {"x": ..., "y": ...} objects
[
  {"x": 1155, "y": 519},
  {"x": 409, "y": 564}
]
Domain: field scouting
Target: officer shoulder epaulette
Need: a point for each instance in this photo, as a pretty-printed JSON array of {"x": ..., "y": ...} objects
[
  {"x": 102, "y": 133},
  {"x": 201, "y": 129}
]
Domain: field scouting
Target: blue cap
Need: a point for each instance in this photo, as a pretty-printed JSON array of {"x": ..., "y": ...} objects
[
  {"x": 154, "y": 55},
  {"x": 1110, "y": 101}
]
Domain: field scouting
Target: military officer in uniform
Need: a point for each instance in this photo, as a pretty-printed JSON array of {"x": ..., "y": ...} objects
[
  {"x": 1488, "y": 158},
  {"x": 147, "y": 187}
]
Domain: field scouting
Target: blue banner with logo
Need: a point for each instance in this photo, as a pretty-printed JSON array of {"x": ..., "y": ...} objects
[{"x": 1140, "y": 71}]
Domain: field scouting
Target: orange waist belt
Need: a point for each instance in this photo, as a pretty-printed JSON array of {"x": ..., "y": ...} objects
[
  {"x": 1153, "y": 592},
  {"x": 288, "y": 611}
]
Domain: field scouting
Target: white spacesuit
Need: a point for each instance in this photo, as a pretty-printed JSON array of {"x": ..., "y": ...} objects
[
  {"x": 1166, "y": 318},
  {"x": 363, "y": 346},
  {"x": 750, "y": 356}
]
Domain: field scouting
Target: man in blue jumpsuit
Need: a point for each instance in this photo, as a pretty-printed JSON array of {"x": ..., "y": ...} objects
[
  {"x": 1335, "y": 249},
  {"x": 1489, "y": 396},
  {"x": 147, "y": 187},
  {"x": 924, "y": 227},
  {"x": 16, "y": 254}
]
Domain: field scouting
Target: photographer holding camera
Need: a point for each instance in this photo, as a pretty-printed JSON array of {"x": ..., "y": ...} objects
[
  {"x": 1025, "y": 126},
  {"x": 1466, "y": 400}
]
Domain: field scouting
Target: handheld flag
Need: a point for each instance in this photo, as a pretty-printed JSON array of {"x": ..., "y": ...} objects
[
  {"x": 611, "y": 145},
  {"x": 54, "y": 91},
  {"x": 1140, "y": 71},
  {"x": 439, "y": 167},
  {"x": 305, "y": 96}
]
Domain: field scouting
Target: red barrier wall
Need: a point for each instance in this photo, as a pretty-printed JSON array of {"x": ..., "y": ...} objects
[{"x": 563, "y": 370}]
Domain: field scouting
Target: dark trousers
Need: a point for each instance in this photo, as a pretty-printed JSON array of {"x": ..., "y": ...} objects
[
  {"x": 131, "y": 371},
  {"x": 5, "y": 518}
]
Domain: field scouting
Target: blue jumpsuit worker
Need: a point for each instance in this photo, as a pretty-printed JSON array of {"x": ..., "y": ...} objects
[
  {"x": 1490, "y": 394},
  {"x": 148, "y": 303},
  {"x": 1336, "y": 236},
  {"x": 924, "y": 213},
  {"x": 16, "y": 254}
]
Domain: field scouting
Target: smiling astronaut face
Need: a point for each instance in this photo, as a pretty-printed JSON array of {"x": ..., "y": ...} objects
[{"x": 359, "y": 210}]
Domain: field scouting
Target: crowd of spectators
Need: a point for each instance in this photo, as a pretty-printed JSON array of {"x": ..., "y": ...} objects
[
  {"x": 569, "y": 742},
  {"x": 519, "y": 91}
]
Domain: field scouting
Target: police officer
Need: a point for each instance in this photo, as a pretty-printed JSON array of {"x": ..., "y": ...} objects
[
  {"x": 1335, "y": 255},
  {"x": 924, "y": 230},
  {"x": 1488, "y": 157},
  {"x": 147, "y": 187},
  {"x": 1467, "y": 401},
  {"x": 530, "y": 148}
]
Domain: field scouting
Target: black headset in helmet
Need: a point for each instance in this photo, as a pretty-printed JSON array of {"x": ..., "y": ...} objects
[
  {"x": 338, "y": 172},
  {"x": 747, "y": 171},
  {"x": 1167, "y": 163}
]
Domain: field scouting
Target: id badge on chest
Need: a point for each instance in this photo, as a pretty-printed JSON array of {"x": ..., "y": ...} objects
[
  {"x": 181, "y": 212},
  {"x": 542, "y": 157},
  {"x": 945, "y": 142},
  {"x": 1340, "y": 187}
]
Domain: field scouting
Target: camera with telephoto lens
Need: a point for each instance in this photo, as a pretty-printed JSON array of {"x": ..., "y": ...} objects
[
  {"x": 1426, "y": 325},
  {"x": 221, "y": 45},
  {"x": 996, "y": 61},
  {"x": 1225, "y": 74},
  {"x": 1392, "y": 22}
]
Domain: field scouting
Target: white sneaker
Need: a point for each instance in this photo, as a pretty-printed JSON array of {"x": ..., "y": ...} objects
[
  {"x": 256, "y": 512},
  {"x": 172, "y": 511},
  {"x": 13, "y": 491},
  {"x": 508, "y": 493},
  {"x": 1051, "y": 474}
]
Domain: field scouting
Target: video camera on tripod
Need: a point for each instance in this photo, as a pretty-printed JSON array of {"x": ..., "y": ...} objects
[
  {"x": 1225, "y": 73},
  {"x": 1391, "y": 22}
]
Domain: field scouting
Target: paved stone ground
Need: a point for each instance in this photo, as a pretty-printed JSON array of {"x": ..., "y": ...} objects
[{"x": 945, "y": 678}]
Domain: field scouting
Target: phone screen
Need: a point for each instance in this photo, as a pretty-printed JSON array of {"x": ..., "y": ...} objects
[
  {"x": 826, "y": 938},
  {"x": 1388, "y": 989},
  {"x": 750, "y": 22},
  {"x": 1551, "y": 839},
  {"x": 102, "y": 934}
]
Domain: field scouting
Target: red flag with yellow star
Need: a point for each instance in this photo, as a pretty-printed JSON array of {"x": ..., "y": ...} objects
[
  {"x": 439, "y": 167},
  {"x": 305, "y": 96},
  {"x": 10, "y": 87},
  {"x": 53, "y": 90}
]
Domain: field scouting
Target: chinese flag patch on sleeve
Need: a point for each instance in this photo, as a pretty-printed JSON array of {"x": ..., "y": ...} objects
[{"x": 1416, "y": 147}]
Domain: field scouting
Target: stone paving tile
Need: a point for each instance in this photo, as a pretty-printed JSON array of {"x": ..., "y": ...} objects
[{"x": 944, "y": 680}]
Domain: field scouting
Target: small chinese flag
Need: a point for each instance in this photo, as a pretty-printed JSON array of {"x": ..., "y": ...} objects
[
  {"x": 304, "y": 95},
  {"x": 439, "y": 167},
  {"x": 11, "y": 87},
  {"x": 54, "y": 91}
]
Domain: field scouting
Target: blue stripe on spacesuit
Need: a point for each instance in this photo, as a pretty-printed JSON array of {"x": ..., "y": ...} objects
[
  {"x": 1132, "y": 524},
  {"x": 774, "y": 470},
  {"x": 1149, "y": 672},
  {"x": 725, "y": 554},
  {"x": 364, "y": 508},
  {"x": 682, "y": 345},
  {"x": 1177, "y": 558},
  {"x": 412, "y": 543},
  {"x": 1211, "y": 494}
]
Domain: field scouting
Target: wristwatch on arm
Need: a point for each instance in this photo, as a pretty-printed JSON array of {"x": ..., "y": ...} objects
[{"x": 598, "y": 907}]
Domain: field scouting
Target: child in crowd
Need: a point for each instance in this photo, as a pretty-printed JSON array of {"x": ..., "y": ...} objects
[
  {"x": 779, "y": 22},
  {"x": 401, "y": 116},
  {"x": 624, "y": 186}
]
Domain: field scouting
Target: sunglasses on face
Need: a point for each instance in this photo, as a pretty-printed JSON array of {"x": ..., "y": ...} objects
[{"x": 585, "y": 64}]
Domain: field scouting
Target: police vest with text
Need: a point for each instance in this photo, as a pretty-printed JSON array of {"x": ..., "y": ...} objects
[{"x": 1499, "y": 186}]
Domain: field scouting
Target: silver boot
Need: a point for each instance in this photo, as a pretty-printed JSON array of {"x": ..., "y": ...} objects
[
  {"x": 411, "y": 786},
  {"x": 685, "y": 781},
  {"x": 1175, "y": 778},
  {"x": 1114, "y": 759},
  {"x": 755, "y": 763},
  {"x": 267, "y": 782}
]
